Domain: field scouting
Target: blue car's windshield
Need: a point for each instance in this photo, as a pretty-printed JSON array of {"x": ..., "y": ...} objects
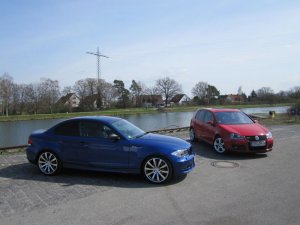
[
  {"x": 128, "y": 129},
  {"x": 233, "y": 118}
]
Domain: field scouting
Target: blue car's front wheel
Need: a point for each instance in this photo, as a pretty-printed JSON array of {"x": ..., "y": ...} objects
[{"x": 157, "y": 169}]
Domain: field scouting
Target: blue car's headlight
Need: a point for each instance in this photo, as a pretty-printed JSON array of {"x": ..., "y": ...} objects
[
  {"x": 181, "y": 153},
  {"x": 269, "y": 135},
  {"x": 236, "y": 136}
]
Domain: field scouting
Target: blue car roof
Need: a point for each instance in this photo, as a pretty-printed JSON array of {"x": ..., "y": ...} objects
[{"x": 105, "y": 119}]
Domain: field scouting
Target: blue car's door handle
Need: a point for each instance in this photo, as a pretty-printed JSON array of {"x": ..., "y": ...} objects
[{"x": 83, "y": 143}]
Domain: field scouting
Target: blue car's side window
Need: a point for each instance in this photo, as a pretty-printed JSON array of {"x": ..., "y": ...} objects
[
  {"x": 94, "y": 130},
  {"x": 69, "y": 128}
]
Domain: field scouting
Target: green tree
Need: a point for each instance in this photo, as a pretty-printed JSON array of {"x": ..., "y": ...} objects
[
  {"x": 212, "y": 93},
  {"x": 205, "y": 92},
  {"x": 123, "y": 93},
  {"x": 252, "y": 97},
  {"x": 136, "y": 90},
  {"x": 253, "y": 94}
]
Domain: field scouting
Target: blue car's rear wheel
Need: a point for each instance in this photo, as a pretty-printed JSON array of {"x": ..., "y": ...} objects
[
  {"x": 157, "y": 169},
  {"x": 49, "y": 163}
]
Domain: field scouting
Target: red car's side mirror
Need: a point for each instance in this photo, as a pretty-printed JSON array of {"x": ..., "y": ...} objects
[{"x": 211, "y": 123}]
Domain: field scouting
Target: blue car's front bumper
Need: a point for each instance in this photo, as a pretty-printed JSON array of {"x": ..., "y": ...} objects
[{"x": 183, "y": 165}]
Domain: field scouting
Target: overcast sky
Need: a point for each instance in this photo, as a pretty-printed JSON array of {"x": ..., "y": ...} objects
[{"x": 227, "y": 43}]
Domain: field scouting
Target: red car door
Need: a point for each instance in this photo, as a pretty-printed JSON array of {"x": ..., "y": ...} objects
[
  {"x": 198, "y": 124},
  {"x": 208, "y": 127}
]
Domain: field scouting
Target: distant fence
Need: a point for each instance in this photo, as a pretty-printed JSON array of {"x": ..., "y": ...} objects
[{"x": 170, "y": 130}]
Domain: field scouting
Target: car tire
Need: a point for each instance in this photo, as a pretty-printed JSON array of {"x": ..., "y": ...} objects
[
  {"x": 157, "y": 170},
  {"x": 192, "y": 135},
  {"x": 219, "y": 145},
  {"x": 48, "y": 163}
]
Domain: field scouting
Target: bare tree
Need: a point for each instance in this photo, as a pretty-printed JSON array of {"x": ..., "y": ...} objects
[
  {"x": 109, "y": 93},
  {"x": 264, "y": 92},
  {"x": 92, "y": 86},
  {"x": 86, "y": 87},
  {"x": 49, "y": 92},
  {"x": 16, "y": 98},
  {"x": 200, "y": 90},
  {"x": 151, "y": 91},
  {"x": 295, "y": 92},
  {"x": 66, "y": 90},
  {"x": 81, "y": 89},
  {"x": 6, "y": 89},
  {"x": 23, "y": 98},
  {"x": 168, "y": 88},
  {"x": 33, "y": 96}
]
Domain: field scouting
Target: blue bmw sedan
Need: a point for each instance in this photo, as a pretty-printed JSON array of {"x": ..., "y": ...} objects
[{"x": 110, "y": 144}]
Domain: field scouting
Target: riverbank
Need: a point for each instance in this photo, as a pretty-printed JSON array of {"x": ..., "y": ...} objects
[
  {"x": 280, "y": 119},
  {"x": 128, "y": 111}
]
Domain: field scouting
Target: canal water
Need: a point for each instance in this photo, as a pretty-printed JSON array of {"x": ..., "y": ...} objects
[{"x": 17, "y": 132}]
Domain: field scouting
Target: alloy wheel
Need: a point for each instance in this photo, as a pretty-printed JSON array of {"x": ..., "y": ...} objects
[
  {"x": 192, "y": 135},
  {"x": 48, "y": 163},
  {"x": 219, "y": 145},
  {"x": 157, "y": 170}
]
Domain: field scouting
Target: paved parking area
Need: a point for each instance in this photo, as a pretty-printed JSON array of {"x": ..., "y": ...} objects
[{"x": 261, "y": 189}]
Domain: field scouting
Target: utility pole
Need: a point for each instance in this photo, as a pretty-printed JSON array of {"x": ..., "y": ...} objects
[
  {"x": 98, "y": 61},
  {"x": 98, "y": 73}
]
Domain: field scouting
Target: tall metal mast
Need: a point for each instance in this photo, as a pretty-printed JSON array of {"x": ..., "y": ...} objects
[
  {"x": 98, "y": 62},
  {"x": 99, "y": 100}
]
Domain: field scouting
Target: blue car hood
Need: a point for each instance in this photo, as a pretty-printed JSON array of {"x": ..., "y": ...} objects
[{"x": 161, "y": 141}]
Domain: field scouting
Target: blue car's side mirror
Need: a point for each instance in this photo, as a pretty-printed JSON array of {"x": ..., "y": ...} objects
[{"x": 114, "y": 137}]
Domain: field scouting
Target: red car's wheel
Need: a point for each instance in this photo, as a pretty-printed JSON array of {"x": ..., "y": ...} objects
[
  {"x": 219, "y": 145},
  {"x": 192, "y": 135}
]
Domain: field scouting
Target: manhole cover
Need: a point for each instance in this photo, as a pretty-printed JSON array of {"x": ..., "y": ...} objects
[{"x": 224, "y": 164}]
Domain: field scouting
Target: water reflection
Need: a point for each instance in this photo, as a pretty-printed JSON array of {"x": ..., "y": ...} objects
[{"x": 158, "y": 121}]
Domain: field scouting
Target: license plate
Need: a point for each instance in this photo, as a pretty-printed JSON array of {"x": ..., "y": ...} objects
[{"x": 258, "y": 143}]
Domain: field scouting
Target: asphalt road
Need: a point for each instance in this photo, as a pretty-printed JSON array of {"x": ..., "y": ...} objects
[{"x": 261, "y": 189}]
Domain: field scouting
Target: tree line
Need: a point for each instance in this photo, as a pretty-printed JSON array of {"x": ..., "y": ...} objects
[{"x": 42, "y": 97}]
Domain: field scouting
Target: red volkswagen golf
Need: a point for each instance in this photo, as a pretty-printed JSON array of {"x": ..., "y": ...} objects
[{"x": 230, "y": 130}]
